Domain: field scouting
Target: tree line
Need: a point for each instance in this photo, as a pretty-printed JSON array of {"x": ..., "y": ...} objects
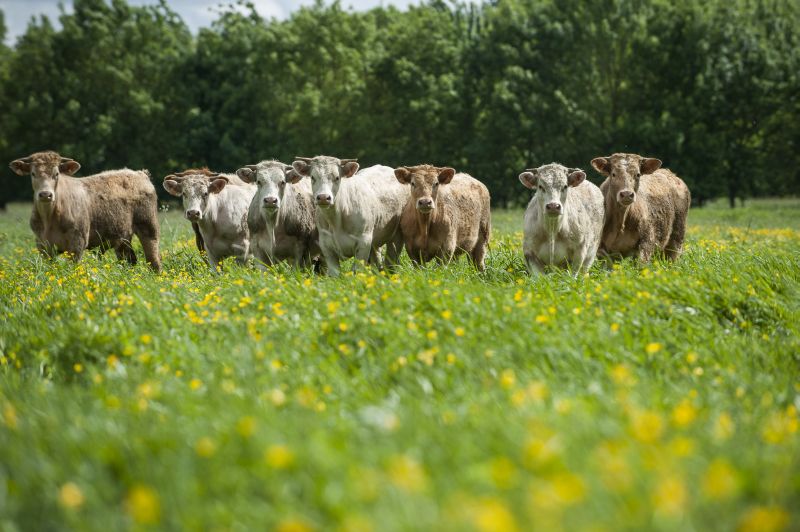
[{"x": 710, "y": 87}]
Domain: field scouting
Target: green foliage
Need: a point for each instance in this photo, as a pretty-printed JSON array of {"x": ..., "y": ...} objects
[
  {"x": 441, "y": 399},
  {"x": 711, "y": 88}
]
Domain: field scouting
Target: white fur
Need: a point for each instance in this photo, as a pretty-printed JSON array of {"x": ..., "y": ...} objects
[
  {"x": 570, "y": 239},
  {"x": 365, "y": 215}
]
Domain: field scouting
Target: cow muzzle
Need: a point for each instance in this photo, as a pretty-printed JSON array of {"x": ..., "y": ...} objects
[
  {"x": 553, "y": 209},
  {"x": 324, "y": 200},
  {"x": 193, "y": 215},
  {"x": 425, "y": 205},
  {"x": 270, "y": 202},
  {"x": 626, "y": 197},
  {"x": 45, "y": 196}
]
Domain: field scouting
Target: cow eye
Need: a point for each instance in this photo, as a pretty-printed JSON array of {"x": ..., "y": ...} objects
[
  {"x": 205, "y": 194},
  {"x": 564, "y": 187},
  {"x": 435, "y": 185}
]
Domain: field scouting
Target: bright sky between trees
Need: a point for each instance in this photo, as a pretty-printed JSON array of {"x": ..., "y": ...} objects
[{"x": 196, "y": 13}]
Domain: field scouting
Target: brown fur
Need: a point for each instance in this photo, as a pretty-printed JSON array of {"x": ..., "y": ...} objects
[
  {"x": 460, "y": 221},
  {"x": 656, "y": 220},
  {"x": 104, "y": 210}
]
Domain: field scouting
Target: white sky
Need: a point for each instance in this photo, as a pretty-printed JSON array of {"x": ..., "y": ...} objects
[{"x": 195, "y": 13}]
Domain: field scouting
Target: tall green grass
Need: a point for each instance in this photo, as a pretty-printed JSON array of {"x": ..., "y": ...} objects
[{"x": 645, "y": 397}]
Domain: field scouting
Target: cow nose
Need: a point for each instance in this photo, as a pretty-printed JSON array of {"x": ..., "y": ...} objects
[
  {"x": 324, "y": 199},
  {"x": 193, "y": 214},
  {"x": 425, "y": 203},
  {"x": 270, "y": 200},
  {"x": 627, "y": 196},
  {"x": 46, "y": 195},
  {"x": 553, "y": 207}
]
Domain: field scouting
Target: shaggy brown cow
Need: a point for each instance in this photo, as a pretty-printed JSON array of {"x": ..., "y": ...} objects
[
  {"x": 447, "y": 214},
  {"x": 104, "y": 210},
  {"x": 646, "y": 207}
]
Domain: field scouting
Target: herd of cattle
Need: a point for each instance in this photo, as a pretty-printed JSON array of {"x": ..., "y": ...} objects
[{"x": 326, "y": 207}]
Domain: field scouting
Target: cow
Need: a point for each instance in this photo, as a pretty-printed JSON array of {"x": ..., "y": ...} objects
[
  {"x": 281, "y": 214},
  {"x": 103, "y": 210},
  {"x": 563, "y": 221},
  {"x": 218, "y": 204},
  {"x": 357, "y": 212},
  {"x": 646, "y": 207},
  {"x": 447, "y": 214}
]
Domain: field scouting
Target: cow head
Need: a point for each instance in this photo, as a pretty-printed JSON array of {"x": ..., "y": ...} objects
[
  {"x": 45, "y": 168},
  {"x": 271, "y": 178},
  {"x": 624, "y": 170},
  {"x": 326, "y": 174},
  {"x": 195, "y": 190},
  {"x": 552, "y": 183},
  {"x": 425, "y": 181}
]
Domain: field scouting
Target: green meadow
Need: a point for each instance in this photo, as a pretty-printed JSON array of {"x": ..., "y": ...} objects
[{"x": 656, "y": 397}]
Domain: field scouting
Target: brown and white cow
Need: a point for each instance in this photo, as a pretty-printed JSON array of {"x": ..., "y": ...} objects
[
  {"x": 103, "y": 210},
  {"x": 646, "y": 207},
  {"x": 447, "y": 214}
]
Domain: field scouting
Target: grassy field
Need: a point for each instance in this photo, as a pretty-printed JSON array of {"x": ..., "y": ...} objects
[{"x": 662, "y": 397}]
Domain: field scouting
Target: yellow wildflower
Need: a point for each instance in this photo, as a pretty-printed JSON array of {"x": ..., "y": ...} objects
[
  {"x": 279, "y": 456},
  {"x": 70, "y": 496},
  {"x": 721, "y": 481},
  {"x": 143, "y": 505},
  {"x": 764, "y": 519},
  {"x": 407, "y": 474}
]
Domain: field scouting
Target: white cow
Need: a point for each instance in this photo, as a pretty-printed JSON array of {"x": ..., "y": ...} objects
[
  {"x": 563, "y": 221},
  {"x": 357, "y": 213},
  {"x": 218, "y": 204},
  {"x": 281, "y": 214}
]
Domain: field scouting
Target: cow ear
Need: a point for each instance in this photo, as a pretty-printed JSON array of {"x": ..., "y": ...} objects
[
  {"x": 245, "y": 174},
  {"x": 68, "y": 166},
  {"x": 602, "y": 165},
  {"x": 648, "y": 166},
  {"x": 292, "y": 176},
  {"x": 20, "y": 166},
  {"x": 173, "y": 187},
  {"x": 446, "y": 175},
  {"x": 528, "y": 179},
  {"x": 349, "y": 169},
  {"x": 302, "y": 168},
  {"x": 575, "y": 177},
  {"x": 403, "y": 175},
  {"x": 216, "y": 186}
]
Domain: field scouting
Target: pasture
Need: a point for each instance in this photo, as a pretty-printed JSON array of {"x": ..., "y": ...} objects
[{"x": 648, "y": 397}]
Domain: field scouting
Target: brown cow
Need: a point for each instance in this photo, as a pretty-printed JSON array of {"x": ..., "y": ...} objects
[
  {"x": 447, "y": 214},
  {"x": 103, "y": 210},
  {"x": 646, "y": 207}
]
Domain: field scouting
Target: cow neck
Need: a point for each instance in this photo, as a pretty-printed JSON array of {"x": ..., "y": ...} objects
[
  {"x": 271, "y": 221},
  {"x": 552, "y": 226},
  {"x": 621, "y": 215},
  {"x": 209, "y": 219},
  {"x": 48, "y": 211},
  {"x": 424, "y": 221}
]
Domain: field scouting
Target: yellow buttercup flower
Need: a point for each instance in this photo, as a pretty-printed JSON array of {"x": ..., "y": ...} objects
[{"x": 143, "y": 505}]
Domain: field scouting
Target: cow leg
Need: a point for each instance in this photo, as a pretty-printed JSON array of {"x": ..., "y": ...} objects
[
  {"x": 331, "y": 262},
  {"x": 646, "y": 248},
  {"x": 213, "y": 262},
  {"x": 148, "y": 234},
  {"x": 124, "y": 251},
  {"x": 675, "y": 244},
  {"x": 46, "y": 249},
  {"x": 364, "y": 251},
  {"x": 393, "y": 250},
  {"x": 534, "y": 264},
  {"x": 478, "y": 255}
]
